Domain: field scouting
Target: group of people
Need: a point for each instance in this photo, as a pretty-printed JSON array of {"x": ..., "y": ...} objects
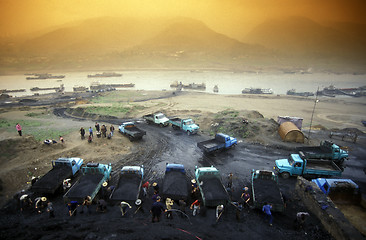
[
  {"x": 41, "y": 204},
  {"x": 101, "y": 131}
]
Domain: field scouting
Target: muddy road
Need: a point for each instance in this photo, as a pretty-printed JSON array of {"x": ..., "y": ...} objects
[{"x": 158, "y": 147}]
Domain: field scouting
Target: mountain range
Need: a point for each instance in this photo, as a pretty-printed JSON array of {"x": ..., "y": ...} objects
[{"x": 103, "y": 43}]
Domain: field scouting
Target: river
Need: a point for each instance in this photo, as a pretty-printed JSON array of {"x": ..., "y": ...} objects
[{"x": 228, "y": 82}]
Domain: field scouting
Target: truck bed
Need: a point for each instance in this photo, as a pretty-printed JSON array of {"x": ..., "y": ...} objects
[
  {"x": 213, "y": 191},
  {"x": 52, "y": 180},
  {"x": 135, "y": 132},
  {"x": 314, "y": 150},
  {"x": 266, "y": 190},
  {"x": 175, "y": 185},
  {"x": 209, "y": 145},
  {"x": 127, "y": 189},
  {"x": 84, "y": 187},
  {"x": 175, "y": 121},
  {"x": 321, "y": 165}
]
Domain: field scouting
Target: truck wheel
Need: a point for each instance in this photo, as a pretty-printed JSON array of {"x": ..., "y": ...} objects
[
  {"x": 285, "y": 175},
  {"x": 161, "y": 125}
]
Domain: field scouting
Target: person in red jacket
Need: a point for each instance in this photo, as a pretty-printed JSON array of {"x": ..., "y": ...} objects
[
  {"x": 19, "y": 129},
  {"x": 196, "y": 205}
]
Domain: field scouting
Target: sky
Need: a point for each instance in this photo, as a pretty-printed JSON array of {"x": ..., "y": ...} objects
[{"x": 224, "y": 16}]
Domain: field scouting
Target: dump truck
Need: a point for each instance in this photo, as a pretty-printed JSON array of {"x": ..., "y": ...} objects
[
  {"x": 265, "y": 190},
  {"x": 212, "y": 190},
  {"x": 346, "y": 195},
  {"x": 156, "y": 118},
  {"x": 186, "y": 125},
  {"x": 297, "y": 166},
  {"x": 220, "y": 142},
  {"x": 327, "y": 150},
  {"x": 175, "y": 182},
  {"x": 62, "y": 168},
  {"x": 89, "y": 184},
  {"x": 130, "y": 130},
  {"x": 129, "y": 184}
]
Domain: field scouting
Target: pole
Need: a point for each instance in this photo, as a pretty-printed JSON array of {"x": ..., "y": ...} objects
[{"x": 312, "y": 114}]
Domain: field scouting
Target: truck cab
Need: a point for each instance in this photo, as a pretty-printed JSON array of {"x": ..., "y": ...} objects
[
  {"x": 329, "y": 186},
  {"x": 160, "y": 118},
  {"x": 125, "y": 125},
  {"x": 188, "y": 125},
  {"x": 337, "y": 152},
  {"x": 75, "y": 163},
  {"x": 138, "y": 170},
  {"x": 175, "y": 167},
  {"x": 229, "y": 141},
  {"x": 291, "y": 166}
]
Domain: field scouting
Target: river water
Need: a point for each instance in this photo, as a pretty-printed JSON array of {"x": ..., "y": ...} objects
[{"x": 228, "y": 82}]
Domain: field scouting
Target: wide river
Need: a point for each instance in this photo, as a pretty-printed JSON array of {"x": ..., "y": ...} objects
[{"x": 227, "y": 82}]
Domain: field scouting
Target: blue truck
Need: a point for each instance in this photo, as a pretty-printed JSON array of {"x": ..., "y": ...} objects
[
  {"x": 327, "y": 150},
  {"x": 220, "y": 142},
  {"x": 130, "y": 130},
  {"x": 129, "y": 184},
  {"x": 62, "y": 168},
  {"x": 187, "y": 125},
  {"x": 265, "y": 190},
  {"x": 89, "y": 184},
  {"x": 175, "y": 182},
  {"x": 212, "y": 190},
  {"x": 294, "y": 165}
]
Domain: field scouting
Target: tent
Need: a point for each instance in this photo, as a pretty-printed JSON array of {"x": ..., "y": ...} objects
[{"x": 290, "y": 133}]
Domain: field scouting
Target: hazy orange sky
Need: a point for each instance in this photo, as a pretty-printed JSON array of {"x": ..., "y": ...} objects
[{"x": 225, "y": 16}]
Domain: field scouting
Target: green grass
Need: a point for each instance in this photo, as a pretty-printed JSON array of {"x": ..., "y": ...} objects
[
  {"x": 34, "y": 128},
  {"x": 114, "y": 110}
]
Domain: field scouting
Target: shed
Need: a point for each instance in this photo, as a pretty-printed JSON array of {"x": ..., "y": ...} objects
[
  {"x": 296, "y": 120},
  {"x": 290, "y": 133}
]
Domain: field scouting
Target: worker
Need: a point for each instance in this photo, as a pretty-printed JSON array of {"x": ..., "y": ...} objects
[
  {"x": 90, "y": 139},
  {"x": 196, "y": 205},
  {"x": 267, "y": 211},
  {"x": 124, "y": 207},
  {"x": 40, "y": 203},
  {"x": 156, "y": 187},
  {"x": 97, "y": 127},
  {"x": 90, "y": 131},
  {"x": 25, "y": 201},
  {"x": 300, "y": 220},
  {"x": 169, "y": 203},
  {"x": 155, "y": 196},
  {"x": 156, "y": 209},
  {"x": 145, "y": 187},
  {"x": 103, "y": 129},
  {"x": 219, "y": 211},
  {"x": 230, "y": 180},
  {"x": 66, "y": 184},
  {"x": 82, "y": 133},
  {"x": 245, "y": 196},
  {"x": 87, "y": 202},
  {"x": 61, "y": 139},
  {"x": 111, "y": 129},
  {"x": 72, "y": 206},
  {"x": 50, "y": 210}
]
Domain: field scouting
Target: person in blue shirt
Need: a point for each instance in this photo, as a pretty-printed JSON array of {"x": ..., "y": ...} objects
[{"x": 267, "y": 210}]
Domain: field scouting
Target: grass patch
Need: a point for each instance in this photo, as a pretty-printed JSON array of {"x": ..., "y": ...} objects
[
  {"x": 9, "y": 125},
  {"x": 43, "y": 134},
  {"x": 114, "y": 110},
  {"x": 35, "y": 114}
]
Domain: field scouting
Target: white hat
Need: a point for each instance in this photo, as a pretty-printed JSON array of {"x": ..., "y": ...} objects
[
  {"x": 138, "y": 202},
  {"x": 23, "y": 197},
  {"x": 193, "y": 181},
  {"x": 104, "y": 184},
  {"x": 154, "y": 184},
  {"x": 44, "y": 199}
]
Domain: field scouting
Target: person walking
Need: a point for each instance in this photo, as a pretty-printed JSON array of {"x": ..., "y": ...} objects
[
  {"x": 19, "y": 129},
  {"x": 82, "y": 133},
  {"x": 104, "y": 131},
  {"x": 196, "y": 205},
  {"x": 124, "y": 207},
  {"x": 112, "y": 130},
  {"x": 50, "y": 210},
  {"x": 230, "y": 180},
  {"x": 267, "y": 211},
  {"x": 156, "y": 209},
  {"x": 91, "y": 131}
]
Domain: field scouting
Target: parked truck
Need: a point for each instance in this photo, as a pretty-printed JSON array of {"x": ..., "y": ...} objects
[
  {"x": 220, "y": 142},
  {"x": 89, "y": 184},
  {"x": 186, "y": 125},
  {"x": 175, "y": 182},
  {"x": 62, "y": 168},
  {"x": 265, "y": 190},
  {"x": 346, "y": 195},
  {"x": 157, "y": 118},
  {"x": 297, "y": 166},
  {"x": 129, "y": 184},
  {"x": 212, "y": 190},
  {"x": 327, "y": 151},
  {"x": 131, "y": 131}
]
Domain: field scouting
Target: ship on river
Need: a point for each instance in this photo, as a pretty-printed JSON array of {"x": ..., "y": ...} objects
[
  {"x": 257, "y": 91},
  {"x": 42, "y": 76},
  {"x": 293, "y": 92},
  {"x": 105, "y": 74}
]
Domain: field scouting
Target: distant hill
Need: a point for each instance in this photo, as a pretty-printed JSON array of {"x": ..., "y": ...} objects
[{"x": 299, "y": 36}]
